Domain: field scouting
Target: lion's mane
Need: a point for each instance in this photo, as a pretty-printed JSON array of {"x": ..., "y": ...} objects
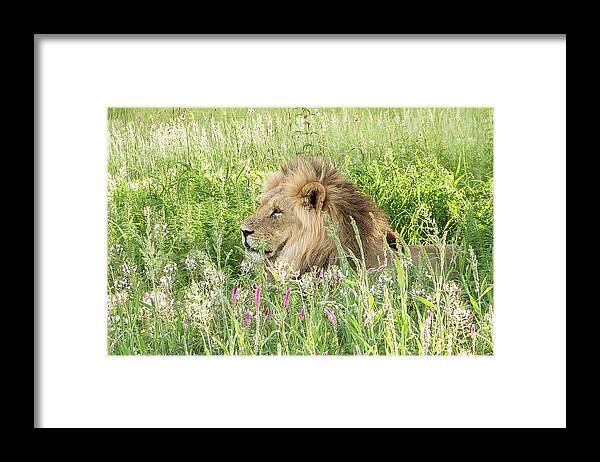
[{"x": 342, "y": 202}]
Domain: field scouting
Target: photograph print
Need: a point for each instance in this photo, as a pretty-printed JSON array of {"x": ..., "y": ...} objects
[{"x": 300, "y": 231}]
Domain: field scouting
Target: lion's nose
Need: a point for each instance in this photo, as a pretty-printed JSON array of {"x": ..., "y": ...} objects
[{"x": 246, "y": 233}]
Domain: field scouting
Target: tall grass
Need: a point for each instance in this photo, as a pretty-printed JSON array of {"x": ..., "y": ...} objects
[{"x": 181, "y": 181}]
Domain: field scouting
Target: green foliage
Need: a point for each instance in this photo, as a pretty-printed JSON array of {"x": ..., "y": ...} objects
[{"x": 415, "y": 196}]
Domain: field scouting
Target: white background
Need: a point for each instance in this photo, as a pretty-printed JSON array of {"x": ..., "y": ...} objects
[{"x": 524, "y": 384}]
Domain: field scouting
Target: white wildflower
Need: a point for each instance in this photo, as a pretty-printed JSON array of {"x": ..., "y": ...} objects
[
  {"x": 170, "y": 268},
  {"x": 376, "y": 290},
  {"x": 160, "y": 230},
  {"x": 216, "y": 131},
  {"x": 115, "y": 250},
  {"x": 213, "y": 276},
  {"x": 117, "y": 299},
  {"x": 199, "y": 308},
  {"x": 384, "y": 279},
  {"x": 334, "y": 275},
  {"x": 190, "y": 263},
  {"x": 461, "y": 315},
  {"x": 453, "y": 296},
  {"x": 406, "y": 262},
  {"x": 160, "y": 302},
  {"x": 281, "y": 270},
  {"x": 246, "y": 266},
  {"x": 421, "y": 293},
  {"x": 165, "y": 282},
  {"x": 204, "y": 141},
  {"x": 126, "y": 269},
  {"x": 308, "y": 282},
  {"x": 368, "y": 316}
]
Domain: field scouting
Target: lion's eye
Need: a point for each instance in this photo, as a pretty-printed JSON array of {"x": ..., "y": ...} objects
[{"x": 275, "y": 213}]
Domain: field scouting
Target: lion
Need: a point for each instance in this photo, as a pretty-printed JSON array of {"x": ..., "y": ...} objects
[{"x": 290, "y": 220}]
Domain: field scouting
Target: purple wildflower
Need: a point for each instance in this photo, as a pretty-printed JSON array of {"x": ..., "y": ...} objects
[
  {"x": 266, "y": 312},
  {"x": 302, "y": 313},
  {"x": 257, "y": 300},
  {"x": 183, "y": 323},
  {"x": 473, "y": 336},
  {"x": 286, "y": 300},
  {"x": 247, "y": 317},
  {"x": 234, "y": 295},
  {"x": 321, "y": 273},
  {"x": 325, "y": 354},
  {"x": 331, "y": 316},
  {"x": 358, "y": 352},
  {"x": 379, "y": 268}
]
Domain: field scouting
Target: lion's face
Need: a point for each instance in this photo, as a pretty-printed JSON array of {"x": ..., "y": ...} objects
[
  {"x": 287, "y": 219},
  {"x": 270, "y": 228}
]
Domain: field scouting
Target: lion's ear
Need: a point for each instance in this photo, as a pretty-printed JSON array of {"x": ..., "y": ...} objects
[{"x": 313, "y": 195}]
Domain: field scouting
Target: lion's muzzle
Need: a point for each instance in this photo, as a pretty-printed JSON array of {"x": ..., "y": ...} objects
[{"x": 245, "y": 234}]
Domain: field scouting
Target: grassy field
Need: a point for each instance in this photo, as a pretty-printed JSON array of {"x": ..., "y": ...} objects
[{"x": 181, "y": 180}]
